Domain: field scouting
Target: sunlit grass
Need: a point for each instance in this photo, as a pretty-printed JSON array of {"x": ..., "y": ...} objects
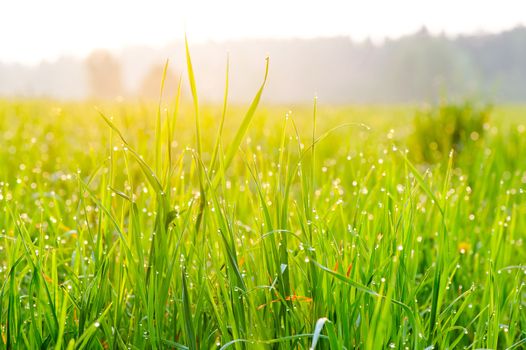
[{"x": 144, "y": 226}]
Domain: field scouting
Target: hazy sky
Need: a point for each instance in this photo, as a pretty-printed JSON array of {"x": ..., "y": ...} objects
[{"x": 31, "y": 30}]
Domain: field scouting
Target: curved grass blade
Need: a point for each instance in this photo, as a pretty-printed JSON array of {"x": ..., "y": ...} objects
[{"x": 232, "y": 149}]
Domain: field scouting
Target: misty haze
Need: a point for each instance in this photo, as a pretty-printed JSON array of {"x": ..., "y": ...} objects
[{"x": 415, "y": 68}]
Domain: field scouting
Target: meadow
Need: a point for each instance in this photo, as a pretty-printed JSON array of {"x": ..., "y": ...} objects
[{"x": 184, "y": 225}]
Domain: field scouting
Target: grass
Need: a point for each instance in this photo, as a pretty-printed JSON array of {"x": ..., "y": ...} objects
[{"x": 191, "y": 226}]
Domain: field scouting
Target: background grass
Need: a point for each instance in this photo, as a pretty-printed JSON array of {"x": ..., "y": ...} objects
[{"x": 304, "y": 229}]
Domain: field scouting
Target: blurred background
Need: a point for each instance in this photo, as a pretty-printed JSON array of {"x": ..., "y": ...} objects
[{"x": 365, "y": 52}]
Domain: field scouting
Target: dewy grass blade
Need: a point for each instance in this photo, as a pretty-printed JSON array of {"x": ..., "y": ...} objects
[
  {"x": 193, "y": 89},
  {"x": 158, "y": 123},
  {"x": 223, "y": 116},
  {"x": 234, "y": 146},
  {"x": 187, "y": 314},
  {"x": 200, "y": 169}
]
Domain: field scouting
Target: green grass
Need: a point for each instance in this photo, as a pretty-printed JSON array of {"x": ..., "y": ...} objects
[{"x": 192, "y": 226}]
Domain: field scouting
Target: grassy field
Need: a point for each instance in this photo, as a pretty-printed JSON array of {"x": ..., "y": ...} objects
[{"x": 133, "y": 226}]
